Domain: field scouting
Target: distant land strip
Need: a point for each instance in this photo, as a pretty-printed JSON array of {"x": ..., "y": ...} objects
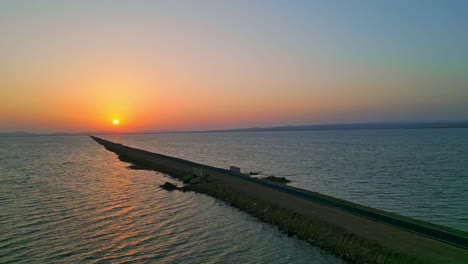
[
  {"x": 346, "y": 126},
  {"x": 356, "y": 233},
  {"x": 355, "y": 126}
]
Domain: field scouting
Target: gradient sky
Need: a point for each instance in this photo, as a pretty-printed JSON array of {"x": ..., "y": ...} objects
[{"x": 174, "y": 65}]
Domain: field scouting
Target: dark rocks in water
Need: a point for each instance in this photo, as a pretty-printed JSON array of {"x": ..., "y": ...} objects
[
  {"x": 276, "y": 179},
  {"x": 168, "y": 186},
  {"x": 254, "y": 173},
  {"x": 171, "y": 187}
]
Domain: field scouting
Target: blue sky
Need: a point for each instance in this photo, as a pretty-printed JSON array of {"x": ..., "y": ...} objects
[{"x": 231, "y": 63}]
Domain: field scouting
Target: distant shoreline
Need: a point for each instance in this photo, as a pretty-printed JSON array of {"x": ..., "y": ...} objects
[
  {"x": 357, "y": 126},
  {"x": 320, "y": 127}
]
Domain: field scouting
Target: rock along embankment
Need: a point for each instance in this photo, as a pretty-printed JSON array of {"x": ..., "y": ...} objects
[{"x": 356, "y": 233}]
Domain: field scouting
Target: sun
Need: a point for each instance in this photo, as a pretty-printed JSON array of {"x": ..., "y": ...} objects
[{"x": 115, "y": 122}]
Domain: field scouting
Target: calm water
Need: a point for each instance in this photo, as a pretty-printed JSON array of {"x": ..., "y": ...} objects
[
  {"x": 68, "y": 200},
  {"x": 421, "y": 173}
]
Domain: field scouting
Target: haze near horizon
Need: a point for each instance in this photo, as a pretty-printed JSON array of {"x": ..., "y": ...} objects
[{"x": 170, "y": 65}]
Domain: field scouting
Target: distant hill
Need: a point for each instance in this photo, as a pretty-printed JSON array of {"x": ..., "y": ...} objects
[
  {"x": 17, "y": 134},
  {"x": 29, "y": 134},
  {"x": 350, "y": 126},
  {"x": 355, "y": 126}
]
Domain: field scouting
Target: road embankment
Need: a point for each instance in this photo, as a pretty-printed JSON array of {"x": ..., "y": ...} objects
[{"x": 356, "y": 233}]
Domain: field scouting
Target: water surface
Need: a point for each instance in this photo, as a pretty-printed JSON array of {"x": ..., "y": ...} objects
[{"x": 68, "y": 200}]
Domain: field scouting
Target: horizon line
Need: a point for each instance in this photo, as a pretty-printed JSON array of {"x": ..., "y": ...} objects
[{"x": 415, "y": 124}]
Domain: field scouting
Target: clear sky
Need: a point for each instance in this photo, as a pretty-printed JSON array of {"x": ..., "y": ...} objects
[{"x": 174, "y": 65}]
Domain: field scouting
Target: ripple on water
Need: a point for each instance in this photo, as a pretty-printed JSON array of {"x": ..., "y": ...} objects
[{"x": 76, "y": 202}]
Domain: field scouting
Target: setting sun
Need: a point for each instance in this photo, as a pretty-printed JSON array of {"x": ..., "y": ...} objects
[{"x": 116, "y": 122}]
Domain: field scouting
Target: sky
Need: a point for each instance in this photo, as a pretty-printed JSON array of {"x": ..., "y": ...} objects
[{"x": 75, "y": 66}]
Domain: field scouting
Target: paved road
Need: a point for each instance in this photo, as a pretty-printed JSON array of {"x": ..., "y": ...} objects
[
  {"x": 362, "y": 211},
  {"x": 427, "y": 231}
]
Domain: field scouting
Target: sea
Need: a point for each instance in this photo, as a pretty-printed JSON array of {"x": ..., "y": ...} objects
[{"x": 65, "y": 199}]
